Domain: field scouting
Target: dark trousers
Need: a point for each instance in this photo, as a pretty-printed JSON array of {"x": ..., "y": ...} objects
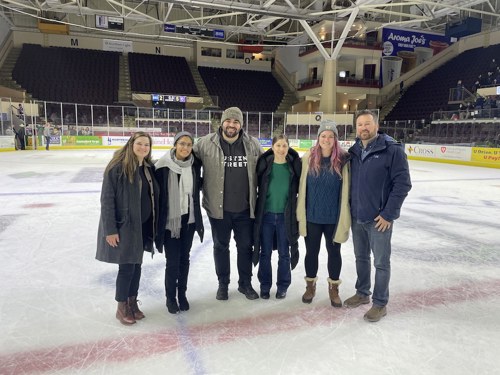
[
  {"x": 127, "y": 281},
  {"x": 177, "y": 259},
  {"x": 242, "y": 226},
  {"x": 313, "y": 244},
  {"x": 22, "y": 142},
  {"x": 47, "y": 142}
]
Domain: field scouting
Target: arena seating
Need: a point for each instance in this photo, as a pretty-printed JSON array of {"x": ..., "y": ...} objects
[
  {"x": 68, "y": 75},
  {"x": 431, "y": 93},
  {"x": 465, "y": 133},
  {"x": 160, "y": 74},
  {"x": 249, "y": 90}
]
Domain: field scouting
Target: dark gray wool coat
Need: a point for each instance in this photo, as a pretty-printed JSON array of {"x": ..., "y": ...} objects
[{"x": 121, "y": 213}]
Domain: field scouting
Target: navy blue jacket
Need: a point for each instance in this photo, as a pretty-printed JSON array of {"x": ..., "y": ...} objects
[{"x": 380, "y": 182}]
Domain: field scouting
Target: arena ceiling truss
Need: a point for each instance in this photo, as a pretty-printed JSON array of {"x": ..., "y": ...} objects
[{"x": 267, "y": 22}]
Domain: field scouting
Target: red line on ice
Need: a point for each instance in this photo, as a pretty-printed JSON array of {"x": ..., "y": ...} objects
[{"x": 81, "y": 356}]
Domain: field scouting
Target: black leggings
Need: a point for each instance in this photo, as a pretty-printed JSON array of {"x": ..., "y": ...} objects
[{"x": 313, "y": 244}]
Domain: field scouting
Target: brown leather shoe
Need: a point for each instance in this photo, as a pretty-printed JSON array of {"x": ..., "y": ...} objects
[
  {"x": 132, "y": 302},
  {"x": 124, "y": 313}
]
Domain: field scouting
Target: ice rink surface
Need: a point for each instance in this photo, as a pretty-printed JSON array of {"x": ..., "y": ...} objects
[{"x": 57, "y": 305}]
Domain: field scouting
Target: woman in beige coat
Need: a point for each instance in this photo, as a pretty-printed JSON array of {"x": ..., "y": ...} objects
[{"x": 323, "y": 208}]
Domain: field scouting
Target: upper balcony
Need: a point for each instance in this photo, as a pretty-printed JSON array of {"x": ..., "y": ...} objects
[
  {"x": 347, "y": 81},
  {"x": 349, "y": 43}
]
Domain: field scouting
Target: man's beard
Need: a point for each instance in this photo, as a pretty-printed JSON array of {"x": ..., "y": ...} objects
[{"x": 234, "y": 133}]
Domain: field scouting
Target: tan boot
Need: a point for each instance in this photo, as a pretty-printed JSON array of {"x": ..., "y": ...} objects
[
  {"x": 375, "y": 313},
  {"x": 132, "y": 302},
  {"x": 333, "y": 290},
  {"x": 124, "y": 313},
  {"x": 310, "y": 289}
]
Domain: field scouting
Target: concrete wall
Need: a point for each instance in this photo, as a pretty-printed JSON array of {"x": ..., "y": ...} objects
[{"x": 84, "y": 41}]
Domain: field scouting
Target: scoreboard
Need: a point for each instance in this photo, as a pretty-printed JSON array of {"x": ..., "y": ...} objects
[
  {"x": 168, "y": 101},
  {"x": 162, "y": 99},
  {"x": 192, "y": 30},
  {"x": 108, "y": 22}
]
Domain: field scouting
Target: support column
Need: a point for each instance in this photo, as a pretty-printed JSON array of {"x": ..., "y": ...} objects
[
  {"x": 360, "y": 67},
  {"x": 328, "y": 103}
]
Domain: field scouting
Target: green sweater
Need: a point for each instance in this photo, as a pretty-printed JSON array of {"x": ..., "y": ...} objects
[{"x": 277, "y": 192}]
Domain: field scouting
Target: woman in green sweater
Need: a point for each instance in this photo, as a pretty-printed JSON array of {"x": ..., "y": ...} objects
[{"x": 276, "y": 227}]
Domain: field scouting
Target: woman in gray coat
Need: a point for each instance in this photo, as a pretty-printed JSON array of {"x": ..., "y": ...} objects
[{"x": 127, "y": 227}]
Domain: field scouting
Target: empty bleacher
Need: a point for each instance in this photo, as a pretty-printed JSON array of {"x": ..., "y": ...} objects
[
  {"x": 249, "y": 90},
  {"x": 68, "y": 74},
  {"x": 475, "y": 133},
  {"x": 160, "y": 74},
  {"x": 431, "y": 93}
]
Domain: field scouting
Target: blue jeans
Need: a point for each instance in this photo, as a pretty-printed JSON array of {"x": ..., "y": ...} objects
[
  {"x": 242, "y": 225},
  {"x": 366, "y": 238},
  {"x": 274, "y": 225}
]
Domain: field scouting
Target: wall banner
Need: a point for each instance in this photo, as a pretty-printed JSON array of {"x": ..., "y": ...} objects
[
  {"x": 117, "y": 45},
  {"x": 395, "y": 40},
  {"x": 266, "y": 142},
  {"x": 422, "y": 151},
  {"x": 406, "y": 49},
  {"x": 486, "y": 155},
  {"x": 454, "y": 153},
  {"x": 114, "y": 141},
  {"x": 81, "y": 140}
]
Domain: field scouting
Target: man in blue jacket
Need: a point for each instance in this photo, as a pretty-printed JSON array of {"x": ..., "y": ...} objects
[{"x": 380, "y": 182}]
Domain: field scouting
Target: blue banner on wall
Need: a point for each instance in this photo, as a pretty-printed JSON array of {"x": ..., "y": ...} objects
[
  {"x": 395, "y": 40},
  {"x": 406, "y": 49}
]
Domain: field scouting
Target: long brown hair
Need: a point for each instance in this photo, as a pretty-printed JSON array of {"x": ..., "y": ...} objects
[{"x": 127, "y": 158}]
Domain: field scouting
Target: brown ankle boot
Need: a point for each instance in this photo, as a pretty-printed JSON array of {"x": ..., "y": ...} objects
[
  {"x": 310, "y": 289},
  {"x": 333, "y": 290},
  {"x": 132, "y": 302},
  {"x": 124, "y": 313}
]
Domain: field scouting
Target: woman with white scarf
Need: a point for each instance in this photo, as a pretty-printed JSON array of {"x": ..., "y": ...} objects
[{"x": 178, "y": 174}]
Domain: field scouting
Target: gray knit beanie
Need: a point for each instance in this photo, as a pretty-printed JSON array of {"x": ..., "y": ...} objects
[
  {"x": 232, "y": 113},
  {"x": 328, "y": 125},
  {"x": 183, "y": 134}
]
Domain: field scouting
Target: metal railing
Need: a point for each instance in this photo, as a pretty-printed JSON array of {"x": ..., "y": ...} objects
[
  {"x": 467, "y": 132},
  {"x": 72, "y": 119},
  {"x": 81, "y": 119}
]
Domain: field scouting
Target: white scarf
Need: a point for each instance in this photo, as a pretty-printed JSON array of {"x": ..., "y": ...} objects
[{"x": 179, "y": 189}]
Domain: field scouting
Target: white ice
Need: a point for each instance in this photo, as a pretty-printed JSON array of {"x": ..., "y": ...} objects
[{"x": 57, "y": 302}]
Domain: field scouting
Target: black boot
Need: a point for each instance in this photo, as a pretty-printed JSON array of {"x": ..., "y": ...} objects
[
  {"x": 222, "y": 294},
  {"x": 183, "y": 302},
  {"x": 182, "y": 285},
  {"x": 172, "y": 306}
]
